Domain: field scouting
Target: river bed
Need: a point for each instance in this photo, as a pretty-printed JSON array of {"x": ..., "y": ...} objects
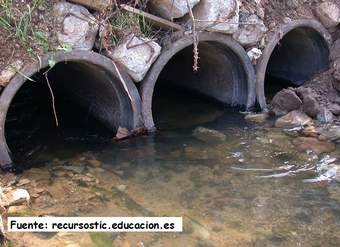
[{"x": 251, "y": 190}]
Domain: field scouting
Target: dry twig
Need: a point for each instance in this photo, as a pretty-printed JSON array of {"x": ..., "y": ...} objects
[
  {"x": 52, "y": 97},
  {"x": 195, "y": 39}
]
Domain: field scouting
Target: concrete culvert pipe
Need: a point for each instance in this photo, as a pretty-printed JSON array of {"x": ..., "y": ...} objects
[
  {"x": 295, "y": 52},
  {"x": 83, "y": 79},
  {"x": 225, "y": 76}
]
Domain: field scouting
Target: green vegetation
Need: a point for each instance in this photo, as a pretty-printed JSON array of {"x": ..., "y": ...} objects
[
  {"x": 18, "y": 22},
  {"x": 124, "y": 23}
]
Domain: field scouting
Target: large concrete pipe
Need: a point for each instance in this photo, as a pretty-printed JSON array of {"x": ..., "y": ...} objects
[
  {"x": 225, "y": 73},
  {"x": 89, "y": 79},
  {"x": 295, "y": 52}
]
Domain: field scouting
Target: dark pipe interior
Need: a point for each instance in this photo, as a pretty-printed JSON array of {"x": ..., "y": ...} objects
[
  {"x": 221, "y": 80},
  {"x": 85, "y": 106},
  {"x": 300, "y": 55}
]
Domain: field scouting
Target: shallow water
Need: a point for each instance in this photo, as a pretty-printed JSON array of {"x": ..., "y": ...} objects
[{"x": 247, "y": 191}]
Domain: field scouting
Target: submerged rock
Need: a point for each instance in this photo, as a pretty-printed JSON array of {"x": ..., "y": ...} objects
[
  {"x": 310, "y": 143},
  {"x": 218, "y": 15},
  {"x": 257, "y": 118},
  {"x": 293, "y": 119},
  {"x": 285, "y": 101},
  {"x": 208, "y": 135},
  {"x": 136, "y": 54},
  {"x": 94, "y": 163},
  {"x": 171, "y": 9},
  {"x": 79, "y": 27},
  {"x": 331, "y": 173}
]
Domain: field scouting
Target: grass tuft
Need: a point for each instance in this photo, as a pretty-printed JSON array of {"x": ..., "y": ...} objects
[{"x": 18, "y": 23}]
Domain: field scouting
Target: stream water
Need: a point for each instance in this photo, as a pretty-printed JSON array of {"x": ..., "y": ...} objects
[{"x": 248, "y": 191}]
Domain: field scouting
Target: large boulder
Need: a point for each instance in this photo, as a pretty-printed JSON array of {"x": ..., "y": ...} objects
[
  {"x": 209, "y": 135},
  {"x": 218, "y": 15},
  {"x": 285, "y": 101},
  {"x": 251, "y": 32},
  {"x": 136, "y": 54},
  {"x": 293, "y": 119},
  {"x": 94, "y": 4},
  {"x": 171, "y": 9},
  {"x": 311, "y": 105},
  {"x": 79, "y": 27},
  {"x": 329, "y": 14},
  {"x": 309, "y": 143}
]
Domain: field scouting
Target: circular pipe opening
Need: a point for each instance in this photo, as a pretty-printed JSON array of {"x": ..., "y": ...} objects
[
  {"x": 89, "y": 97},
  {"x": 225, "y": 76},
  {"x": 295, "y": 53}
]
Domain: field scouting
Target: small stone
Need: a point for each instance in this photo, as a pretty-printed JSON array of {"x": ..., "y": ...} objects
[
  {"x": 310, "y": 131},
  {"x": 17, "y": 197},
  {"x": 208, "y": 135},
  {"x": 122, "y": 133},
  {"x": 122, "y": 187},
  {"x": 249, "y": 35},
  {"x": 254, "y": 54},
  {"x": 332, "y": 134},
  {"x": 257, "y": 118},
  {"x": 335, "y": 50},
  {"x": 335, "y": 109},
  {"x": 71, "y": 169},
  {"x": 171, "y": 9},
  {"x": 23, "y": 181},
  {"x": 17, "y": 210},
  {"x": 309, "y": 143},
  {"x": 336, "y": 73},
  {"x": 9, "y": 72},
  {"x": 136, "y": 54},
  {"x": 285, "y": 101},
  {"x": 293, "y": 119},
  {"x": 329, "y": 14},
  {"x": 325, "y": 115}
]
